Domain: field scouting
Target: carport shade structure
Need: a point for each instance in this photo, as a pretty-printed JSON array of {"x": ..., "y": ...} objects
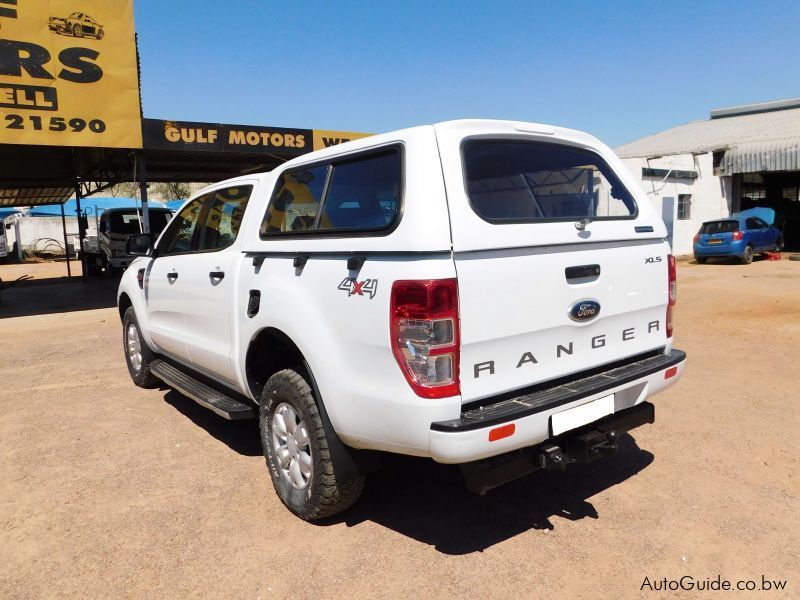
[{"x": 173, "y": 151}]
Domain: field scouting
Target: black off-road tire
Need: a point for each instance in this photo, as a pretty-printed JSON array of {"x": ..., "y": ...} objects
[
  {"x": 323, "y": 495},
  {"x": 141, "y": 376},
  {"x": 701, "y": 260},
  {"x": 99, "y": 35},
  {"x": 77, "y": 30},
  {"x": 747, "y": 257}
]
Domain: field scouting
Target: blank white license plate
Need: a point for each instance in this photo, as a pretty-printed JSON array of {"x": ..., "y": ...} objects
[{"x": 581, "y": 415}]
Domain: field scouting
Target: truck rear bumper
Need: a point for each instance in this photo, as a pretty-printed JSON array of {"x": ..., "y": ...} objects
[
  {"x": 735, "y": 248},
  {"x": 498, "y": 427},
  {"x": 583, "y": 445}
]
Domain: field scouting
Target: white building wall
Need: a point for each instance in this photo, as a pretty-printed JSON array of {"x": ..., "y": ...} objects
[
  {"x": 711, "y": 195},
  {"x": 37, "y": 231}
]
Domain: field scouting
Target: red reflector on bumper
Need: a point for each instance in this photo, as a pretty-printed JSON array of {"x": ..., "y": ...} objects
[
  {"x": 671, "y": 372},
  {"x": 498, "y": 433}
]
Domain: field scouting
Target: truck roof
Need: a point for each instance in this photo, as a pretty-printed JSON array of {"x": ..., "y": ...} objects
[
  {"x": 462, "y": 127},
  {"x": 131, "y": 209}
]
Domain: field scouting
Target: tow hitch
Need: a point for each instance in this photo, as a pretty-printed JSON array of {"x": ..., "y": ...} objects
[
  {"x": 589, "y": 447},
  {"x": 584, "y": 445}
]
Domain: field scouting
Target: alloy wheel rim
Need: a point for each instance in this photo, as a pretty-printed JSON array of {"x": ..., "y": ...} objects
[
  {"x": 292, "y": 446},
  {"x": 134, "y": 347}
]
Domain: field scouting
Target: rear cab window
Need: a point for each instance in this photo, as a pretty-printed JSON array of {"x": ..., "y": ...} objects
[
  {"x": 129, "y": 223},
  {"x": 713, "y": 227},
  {"x": 355, "y": 194},
  {"x": 511, "y": 181}
]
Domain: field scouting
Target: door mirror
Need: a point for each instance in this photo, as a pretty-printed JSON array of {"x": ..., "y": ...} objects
[
  {"x": 140, "y": 244},
  {"x": 102, "y": 226},
  {"x": 8, "y": 226}
]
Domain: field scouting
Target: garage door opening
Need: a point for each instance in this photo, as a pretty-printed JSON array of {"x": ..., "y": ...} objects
[{"x": 779, "y": 191}]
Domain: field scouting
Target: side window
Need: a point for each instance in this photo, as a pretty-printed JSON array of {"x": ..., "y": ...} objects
[
  {"x": 224, "y": 217},
  {"x": 752, "y": 223},
  {"x": 761, "y": 223},
  {"x": 360, "y": 193},
  {"x": 180, "y": 232},
  {"x": 684, "y": 207},
  {"x": 363, "y": 194},
  {"x": 296, "y": 200}
]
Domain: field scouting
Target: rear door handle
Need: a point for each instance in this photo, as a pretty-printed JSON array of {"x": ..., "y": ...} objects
[
  {"x": 172, "y": 277},
  {"x": 582, "y": 271},
  {"x": 218, "y": 275}
]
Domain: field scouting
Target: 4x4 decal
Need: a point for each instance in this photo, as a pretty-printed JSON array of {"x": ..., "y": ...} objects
[{"x": 368, "y": 287}]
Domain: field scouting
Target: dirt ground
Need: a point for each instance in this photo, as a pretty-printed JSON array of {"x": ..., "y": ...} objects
[{"x": 108, "y": 490}]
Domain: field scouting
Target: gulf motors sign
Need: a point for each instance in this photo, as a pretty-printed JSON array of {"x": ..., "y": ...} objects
[
  {"x": 68, "y": 73},
  {"x": 221, "y": 137}
]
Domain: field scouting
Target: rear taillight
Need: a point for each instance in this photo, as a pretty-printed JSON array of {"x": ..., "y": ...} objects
[
  {"x": 697, "y": 239},
  {"x": 737, "y": 235},
  {"x": 424, "y": 332},
  {"x": 672, "y": 291}
]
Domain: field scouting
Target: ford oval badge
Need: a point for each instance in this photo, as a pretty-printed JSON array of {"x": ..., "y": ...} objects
[{"x": 584, "y": 310}]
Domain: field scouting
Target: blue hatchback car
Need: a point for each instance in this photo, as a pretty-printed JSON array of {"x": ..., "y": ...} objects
[{"x": 741, "y": 235}]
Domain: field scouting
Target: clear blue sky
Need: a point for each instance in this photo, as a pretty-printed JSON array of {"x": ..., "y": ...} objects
[{"x": 620, "y": 70}]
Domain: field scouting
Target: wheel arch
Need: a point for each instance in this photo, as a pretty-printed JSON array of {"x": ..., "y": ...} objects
[
  {"x": 271, "y": 350},
  {"x": 123, "y": 303}
]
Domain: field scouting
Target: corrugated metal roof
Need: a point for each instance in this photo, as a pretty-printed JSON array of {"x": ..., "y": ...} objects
[
  {"x": 34, "y": 196},
  {"x": 767, "y": 141},
  {"x": 779, "y": 155}
]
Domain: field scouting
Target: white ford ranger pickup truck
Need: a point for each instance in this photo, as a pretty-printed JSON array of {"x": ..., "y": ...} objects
[{"x": 491, "y": 294}]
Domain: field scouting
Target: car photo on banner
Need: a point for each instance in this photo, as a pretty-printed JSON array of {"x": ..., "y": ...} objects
[{"x": 77, "y": 25}]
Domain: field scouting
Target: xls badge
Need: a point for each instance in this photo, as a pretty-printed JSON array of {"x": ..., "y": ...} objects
[{"x": 368, "y": 287}]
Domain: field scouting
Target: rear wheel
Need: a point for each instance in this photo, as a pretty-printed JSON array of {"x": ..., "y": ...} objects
[
  {"x": 701, "y": 260},
  {"x": 747, "y": 255},
  {"x": 137, "y": 354},
  {"x": 99, "y": 35},
  {"x": 295, "y": 443},
  {"x": 77, "y": 30}
]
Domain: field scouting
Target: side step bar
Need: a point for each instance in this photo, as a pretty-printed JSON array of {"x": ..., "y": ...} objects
[{"x": 225, "y": 406}]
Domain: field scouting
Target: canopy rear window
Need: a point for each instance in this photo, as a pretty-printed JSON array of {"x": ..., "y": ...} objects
[
  {"x": 512, "y": 181},
  {"x": 719, "y": 227}
]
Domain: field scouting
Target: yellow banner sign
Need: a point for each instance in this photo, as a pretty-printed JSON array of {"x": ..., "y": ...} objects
[
  {"x": 325, "y": 139},
  {"x": 68, "y": 74}
]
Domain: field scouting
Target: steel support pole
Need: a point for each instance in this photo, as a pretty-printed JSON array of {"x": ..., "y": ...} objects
[
  {"x": 66, "y": 243},
  {"x": 143, "y": 193},
  {"x": 18, "y": 237},
  {"x": 81, "y": 231}
]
